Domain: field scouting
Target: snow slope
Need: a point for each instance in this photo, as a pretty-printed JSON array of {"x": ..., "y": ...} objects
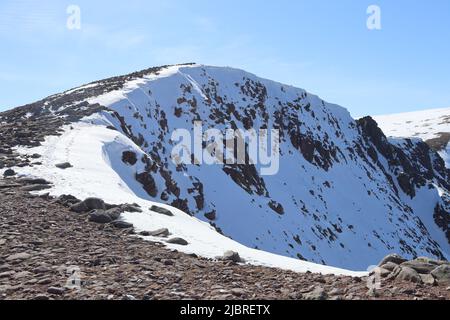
[
  {"x": 345, "y": 196},
  {"x": 426, "y": 124}
]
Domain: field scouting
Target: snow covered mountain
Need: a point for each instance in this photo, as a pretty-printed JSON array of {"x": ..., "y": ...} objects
[
  {"x": 344, "y": 195},
  {"x": 432, "y": 126}
]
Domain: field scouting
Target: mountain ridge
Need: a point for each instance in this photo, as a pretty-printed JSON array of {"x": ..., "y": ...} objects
[{"x": 324, "y": 152}]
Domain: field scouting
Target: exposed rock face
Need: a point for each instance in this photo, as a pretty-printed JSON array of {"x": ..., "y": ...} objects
[
  {"x": 148, "y": 183},
  {"x": 129, "y": 157}
]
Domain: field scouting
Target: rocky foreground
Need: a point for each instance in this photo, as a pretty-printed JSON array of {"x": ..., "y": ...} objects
[{"x": 48, "y": 251}]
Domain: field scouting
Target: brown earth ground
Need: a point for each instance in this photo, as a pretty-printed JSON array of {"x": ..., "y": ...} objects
[{"x": 41, "y": 241}]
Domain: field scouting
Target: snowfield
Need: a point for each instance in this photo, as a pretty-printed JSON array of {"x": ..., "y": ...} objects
[{"x": 426, "y": 125}]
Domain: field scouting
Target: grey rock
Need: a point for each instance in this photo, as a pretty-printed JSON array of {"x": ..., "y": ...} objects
[
  {"x": 9, "y": 173},
  {"x": 381, "y": 271},
  {"x": 55, "y": 290},
  {"x": 6, "y": 274},
  {"x": 35, "y": 187},
  {"x": 419, "y": 266},
  {"x": 122, "y": 224},
  {"x": 18, "y": 257},
  {"x": 67, "y": 200},
  {"x": 114, "y": 213},
  {"x": 178, "y": 241},
  {"x": 428, "y": 279},
  {"x": 95, "y": 204},
  {"x": 409, "y": 274},
  {"x": 317, "y": 294},
  {"x": 394, "y": 258},
  {"x": 389, "y": 266},
  {"x": 33, "y": 181},
  {"x": 238, "y": 292},
  {"x": 131, "y": 208},
  {"x": 161, "y": 211},
  {"x": 79, "y": 207},
  {"x": 373, "y": 293},
  {"x": 430, "y": 261},
  {"x": 63, "y": 166},
  {"x": 99, "y": 216},
  {"x": 337, "y": 292},
  {"x": 231, "y": 256},
  {"x": 157, "y": 233},
  {"x": 442, "y": 275}
]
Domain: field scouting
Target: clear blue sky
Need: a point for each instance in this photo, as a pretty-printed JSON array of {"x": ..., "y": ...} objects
[{"x": 323, "y": 46}]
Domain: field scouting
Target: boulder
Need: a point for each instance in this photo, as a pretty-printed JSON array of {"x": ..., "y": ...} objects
[
  {"x": 394, "y": 258},
  {"x": 430, "y": 261},
  {"x": 390, "y": 266},
  {"x": 35, "y": 187},
  {"x": 131, "y": 208},
  {"x": 79, "y": 207},
  {"x": 34, "y": 181},
  {"x": 178, "y": 241},
  {"x": 100, "y": 216},
  {"x": 161, "y": 211},
  {"x": 231, "y": 256},
  {"x": 163, "y": 233},
  {"x": 95, "y": 204},
  {"x": 428, "y": 279},
  {"x": 18, "y": 257},
  {"x": 317, "y": 294},
  {"x": 55, "y": 290},
  {"x": 63, "y": 166},
  {"x": 122, "y": 224},
  {"x": 409, "y": 274},
  {"x": 420, "y": 266},
  {"x": 9, "y": 173},
  {"x": 442, "y": 274},
  {"x": 114, "y": 213}
]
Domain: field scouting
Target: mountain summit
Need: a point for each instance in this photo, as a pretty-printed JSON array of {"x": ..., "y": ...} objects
[{"x": 343, "y": 195}]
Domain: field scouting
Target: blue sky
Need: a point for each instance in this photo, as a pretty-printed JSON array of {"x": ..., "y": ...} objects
[{"x": 323, "y": 46}]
